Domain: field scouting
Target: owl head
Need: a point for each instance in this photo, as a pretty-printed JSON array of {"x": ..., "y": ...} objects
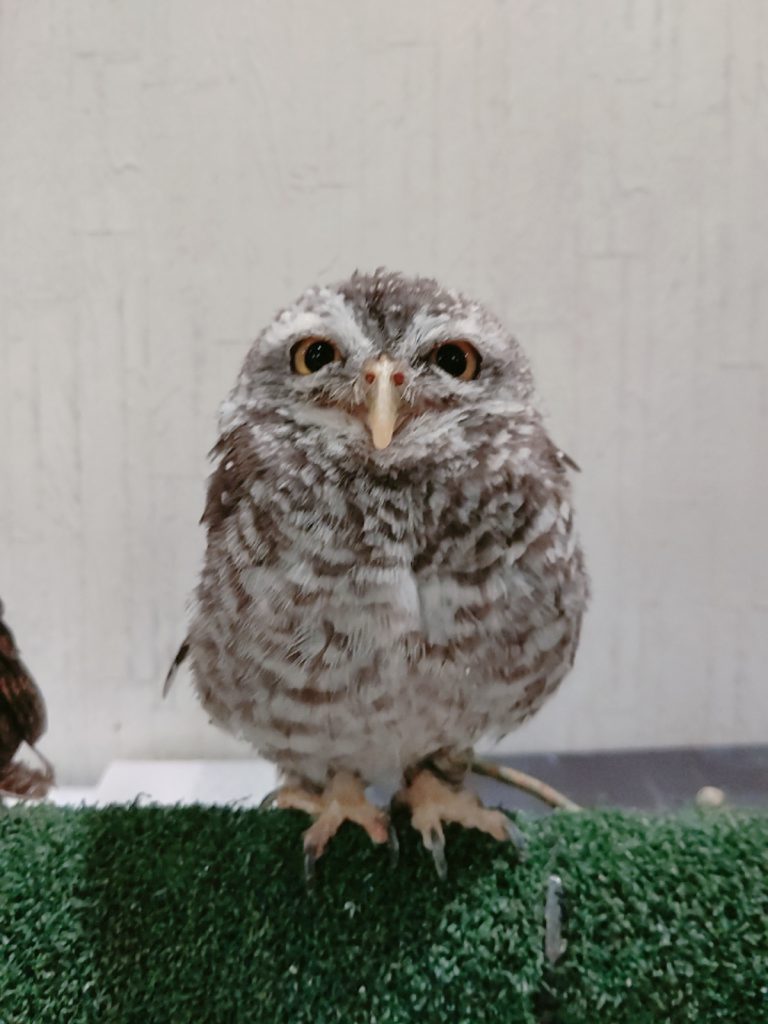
[{"x": 382, "y": 367}]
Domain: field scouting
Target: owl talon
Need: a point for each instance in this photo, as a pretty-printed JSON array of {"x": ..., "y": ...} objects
[
  {"x": 516, "y": 837},
  {"x": 433, "y": 802},
  {"x": 269, "y": 800},
  {"x": 343, "y": 799},
  {"x": 393, "y": 843},
  {"x": 310, "y": 861},
  {"x": 436, "y": 846}
]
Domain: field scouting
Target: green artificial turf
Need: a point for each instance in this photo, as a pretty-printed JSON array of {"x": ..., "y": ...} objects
[{"x": 202, "y": 915}]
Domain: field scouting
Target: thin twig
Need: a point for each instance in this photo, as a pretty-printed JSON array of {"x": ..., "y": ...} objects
[{"x": 527, "y": 783}]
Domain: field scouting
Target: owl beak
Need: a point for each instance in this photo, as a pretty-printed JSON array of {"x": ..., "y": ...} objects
[{"x": 383, "y": 397}]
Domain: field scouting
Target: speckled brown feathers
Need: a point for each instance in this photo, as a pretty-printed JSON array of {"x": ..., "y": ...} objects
[
  {"x": 366, "y": 608},
  {"x": 22, "y": 720}
]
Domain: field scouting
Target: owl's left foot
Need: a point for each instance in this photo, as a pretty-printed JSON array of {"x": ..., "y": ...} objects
[
  {"x": 433, "y": 802},
  {"x": 343, "y": 799}
]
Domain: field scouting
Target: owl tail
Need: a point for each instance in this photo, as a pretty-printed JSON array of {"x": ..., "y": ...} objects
[{"x": 181, "y": 654}]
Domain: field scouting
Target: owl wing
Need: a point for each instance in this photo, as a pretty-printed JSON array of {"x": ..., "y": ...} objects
[
  {"x": 22, "y": 720},
  {"x": 237, "y": 466},
  {"x": 22, "y": 708},
  {"x": 237, "y": 469}
]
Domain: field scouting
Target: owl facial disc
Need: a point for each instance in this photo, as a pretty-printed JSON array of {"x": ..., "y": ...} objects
[{"x": 383, "y": 381}]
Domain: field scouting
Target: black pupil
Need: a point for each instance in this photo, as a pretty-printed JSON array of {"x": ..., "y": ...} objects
[
  {"x": 452, "y": 359},
  {"x": 317, "y": 355}
]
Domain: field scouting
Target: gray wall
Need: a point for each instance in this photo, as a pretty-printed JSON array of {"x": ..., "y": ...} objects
[{"x": 173, "y": 172}]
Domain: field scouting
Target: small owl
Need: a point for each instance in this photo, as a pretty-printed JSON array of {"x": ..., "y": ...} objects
[
  {"x": 391, "y": 569},
  {"x": 22, "y": 720}
]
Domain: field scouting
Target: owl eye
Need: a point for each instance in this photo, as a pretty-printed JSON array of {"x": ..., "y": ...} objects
[
  {"x": 312, "y": 354},
  {"x": 458, "y": 358}
]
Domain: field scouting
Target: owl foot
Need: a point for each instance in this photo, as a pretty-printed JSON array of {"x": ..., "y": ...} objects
[
  {"x": 433, "y": 802},
  {"x": 343, "y": 799}
]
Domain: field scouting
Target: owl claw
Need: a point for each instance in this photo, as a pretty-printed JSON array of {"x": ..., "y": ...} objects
[
  {"x": 516, "y": 837},
  {"x": 435, "y": 843},
  {"x": 269, "y": 800},
  {"x": 343, "y": 799},
  {"x": 433, "y": 802},
  {"x": 310, "y": 861},
  {"x": 394, "y": 845}
]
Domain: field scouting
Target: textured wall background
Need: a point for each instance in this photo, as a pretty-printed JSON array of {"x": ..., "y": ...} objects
[{"x": 173, "y": 172}]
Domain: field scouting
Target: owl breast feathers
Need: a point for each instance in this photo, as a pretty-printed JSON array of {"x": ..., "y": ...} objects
[{"x": 391, "y": 568}]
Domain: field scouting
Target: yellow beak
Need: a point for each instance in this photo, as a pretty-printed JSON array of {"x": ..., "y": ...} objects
[{"x": 383, "y": 401}]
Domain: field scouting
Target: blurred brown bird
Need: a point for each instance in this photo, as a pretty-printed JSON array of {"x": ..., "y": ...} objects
[{"x": 22, "y": 720}]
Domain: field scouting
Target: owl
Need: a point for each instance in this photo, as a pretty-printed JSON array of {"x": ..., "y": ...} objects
[
  {"x": 22, "y": 720},
  {"x": 391, "y": 569}
]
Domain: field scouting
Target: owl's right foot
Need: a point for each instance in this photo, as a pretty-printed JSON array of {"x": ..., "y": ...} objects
[{"x": 343, "y": 799}]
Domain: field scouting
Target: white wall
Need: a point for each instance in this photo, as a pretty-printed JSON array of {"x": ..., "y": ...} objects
[{"x": 173, "y": 172}]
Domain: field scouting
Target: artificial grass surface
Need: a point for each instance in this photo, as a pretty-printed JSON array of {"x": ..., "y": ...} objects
[{"x": 202, "y": 915}]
